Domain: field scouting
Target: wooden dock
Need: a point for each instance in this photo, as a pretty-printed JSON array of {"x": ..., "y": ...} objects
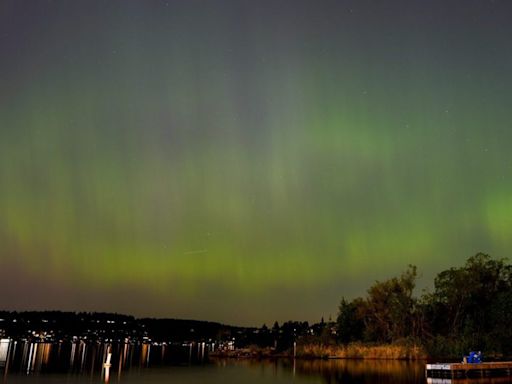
[
  {"x": 474, "y": 380},
  {"x": 461, "y": 370}
]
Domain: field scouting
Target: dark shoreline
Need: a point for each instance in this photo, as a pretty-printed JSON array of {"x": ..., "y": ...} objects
[{"x": 354, "y": 351}]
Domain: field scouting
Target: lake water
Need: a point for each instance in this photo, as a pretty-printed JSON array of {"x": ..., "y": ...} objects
[{"x": 73, "y": 363}]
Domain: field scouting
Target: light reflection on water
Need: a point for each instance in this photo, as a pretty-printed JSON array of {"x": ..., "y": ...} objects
[
  {"x": 25, "y": 362},
  {"x": 81, "y": 358}
]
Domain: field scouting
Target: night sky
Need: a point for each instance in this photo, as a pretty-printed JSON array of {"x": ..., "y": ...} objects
[{"x": 247, "y": 161}]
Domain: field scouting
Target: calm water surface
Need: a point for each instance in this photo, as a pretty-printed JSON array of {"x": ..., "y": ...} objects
[{"x": 75, "y": 363}]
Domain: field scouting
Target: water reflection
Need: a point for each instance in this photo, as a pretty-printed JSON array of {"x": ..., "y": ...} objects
[
  {"x": 341, "y": 371},
  {"x": 93, "y": 358},
  {"x": 364, "y": 371},
  {"x": 82, "y": 362}
]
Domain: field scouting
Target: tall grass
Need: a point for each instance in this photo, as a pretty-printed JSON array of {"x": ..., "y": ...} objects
[{"x": 362, "y": 351}]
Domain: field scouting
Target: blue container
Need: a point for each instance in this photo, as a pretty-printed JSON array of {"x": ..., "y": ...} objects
[{"x": 475, "y": 357}]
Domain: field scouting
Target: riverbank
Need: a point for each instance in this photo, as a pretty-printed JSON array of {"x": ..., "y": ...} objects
[
  {"x": 322, "y": 351},
  {"x": 362, "y": 351}
]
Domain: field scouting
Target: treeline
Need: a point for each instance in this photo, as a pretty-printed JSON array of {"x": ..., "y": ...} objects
[
  {"x": 468, "y": 308},
  {"x": 51, "y": 326},
  {"x": 57, "y": 325}
]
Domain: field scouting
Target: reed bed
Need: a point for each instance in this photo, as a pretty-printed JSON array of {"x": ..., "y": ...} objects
[{"x": 362, "y": 351}]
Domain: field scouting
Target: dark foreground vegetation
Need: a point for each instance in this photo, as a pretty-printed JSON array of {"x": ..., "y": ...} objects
[{"x": 469, "y": 308}]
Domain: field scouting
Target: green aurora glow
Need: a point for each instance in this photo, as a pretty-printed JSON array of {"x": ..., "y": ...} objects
[{"x": 247, "y": 161}]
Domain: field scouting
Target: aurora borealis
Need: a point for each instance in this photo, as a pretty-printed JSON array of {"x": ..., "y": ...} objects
[{"x": 247, "y": 161}]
